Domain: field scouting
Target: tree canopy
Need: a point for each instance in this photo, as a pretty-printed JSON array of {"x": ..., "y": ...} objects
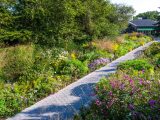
[
  {"x": 58, "y": 21},
  {"x": 153, "y": 15}
]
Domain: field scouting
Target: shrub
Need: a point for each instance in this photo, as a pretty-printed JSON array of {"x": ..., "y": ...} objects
[
  {"x": 125, "y": 97},
  {"x": 136, "y": 65},
  {"x": 15, "y": 37},
  {"x": 121, "y": 51},
  {"x": 74, "y": 68},
  {"x": 153, "y": 49},
  {"x": 18, "y": 61},
  {"x": 21, "y": 94},
  {"x": 93, "y": 55},
  {"x": 158, "y": 62}
]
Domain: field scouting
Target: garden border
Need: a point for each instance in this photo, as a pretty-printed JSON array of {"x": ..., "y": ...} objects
[{"x": 68, "y": 101}]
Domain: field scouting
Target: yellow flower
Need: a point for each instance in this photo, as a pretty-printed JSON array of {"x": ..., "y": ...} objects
[
  {"x": 133, "y": 38},
  {"x": 73, "y": 56},
  {"x": 94, "y": 44},
  {"x": 142, "y": 42},
  {"x": 115, "y": 47}
]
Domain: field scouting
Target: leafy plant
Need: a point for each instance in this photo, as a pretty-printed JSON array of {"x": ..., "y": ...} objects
[
  {"x": 136, "y": 65},
  {"x": 17, "y": 62}
]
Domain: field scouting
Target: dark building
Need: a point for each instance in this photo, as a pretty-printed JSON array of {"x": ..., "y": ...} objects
[{"x": 145, "y": 26}]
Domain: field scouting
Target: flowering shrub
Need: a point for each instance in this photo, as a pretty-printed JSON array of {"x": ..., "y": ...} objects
[
  {"x": 30, "y": 72},
  {"x": 125, "y": 97},
  {"x": 98, "y": 62}
]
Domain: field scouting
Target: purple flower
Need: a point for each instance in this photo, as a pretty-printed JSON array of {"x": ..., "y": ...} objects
[
  {"x": 131, "y": 107},
  {"x": 140, "y": 81},
  {"x": 131, "y": 81},
  {"x": 113, "y": 84},
  {"x": 143, "y": 71},
  {"x": 126, "y": 76},
  {"x": 152, "y": 103},
  {"x": 100, "y": 61},
  {"x": 110, "y": 93},
  {"x": 122, "y": 86}
]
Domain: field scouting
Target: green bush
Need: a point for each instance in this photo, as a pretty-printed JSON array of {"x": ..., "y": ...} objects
[
  {"x": 18, "y": 62},
  {"x": 158, "y": 62},
  {"x": 135, "y": 65},
  {"x": 153, "y": 50},
  {"x": 21, "y": 94},
  {"x": 90, "y": 56},
  {"x": 121, "y": 51},
  {"x": 15, "y": 37},
  {"x": 125, "y": 97},
  {"x": 74, "y": 68}
]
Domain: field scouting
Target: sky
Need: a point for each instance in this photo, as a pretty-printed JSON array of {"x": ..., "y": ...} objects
[{"x": 140, "y": 5}]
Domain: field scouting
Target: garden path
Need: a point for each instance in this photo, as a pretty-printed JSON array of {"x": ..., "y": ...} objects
[{"x": 67, "y": 102}]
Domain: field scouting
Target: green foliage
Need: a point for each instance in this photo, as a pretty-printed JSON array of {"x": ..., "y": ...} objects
[
  {"x": 15, "y": 37},
  {"x": 54, "y": 23},
  {"x": 130, "y": 93},
  {"x": 31, "y": 72},
  {"x": 153, "y": 49},
  {"x": 135, "y": 65},
  {"x": 153, "y": 15},
  {"x": 18, "y": 62},
  {"x": 152, "y": 54},
  {"x": 158, "y": 62},
  {"x": 126, "y": 97},
  {"x": 74, "y": 67},
  {"x": 130, "y": 42}
]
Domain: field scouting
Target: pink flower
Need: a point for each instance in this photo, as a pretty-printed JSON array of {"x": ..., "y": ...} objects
[
  {"x": 122, "y": 86},
  {"x": 131, "y": 81},
  {"x": 126, "y": 76},
  {"x": 98, "y": 103},
  {"x": 110, "y": 93},
  {"x": 140, "y": 81},
  {"x": 113, "y": 84}
]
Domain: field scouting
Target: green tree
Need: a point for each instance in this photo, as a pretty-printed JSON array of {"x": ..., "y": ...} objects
[
  {"x": 8, "y": 32},
  {"x": 122, "y": 15},
  {"x": 153, "y": 15},
  {"x": 58, "y": 22}
]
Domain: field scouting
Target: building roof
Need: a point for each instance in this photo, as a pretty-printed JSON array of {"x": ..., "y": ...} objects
[{"x": 143, "y": 23}]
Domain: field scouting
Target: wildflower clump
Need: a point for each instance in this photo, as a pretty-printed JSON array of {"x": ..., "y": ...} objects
[
  {"x": 124, "y": 96},
  {"x": 98, "y": 62}
]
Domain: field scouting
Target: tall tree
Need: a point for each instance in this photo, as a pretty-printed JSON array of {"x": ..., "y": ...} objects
[
  {"x": 56, "y": 22},
  {"x": 153, "y": 15}
]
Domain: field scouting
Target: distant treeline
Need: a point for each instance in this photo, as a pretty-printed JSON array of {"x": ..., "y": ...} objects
[{"x": 57, "y": 22}]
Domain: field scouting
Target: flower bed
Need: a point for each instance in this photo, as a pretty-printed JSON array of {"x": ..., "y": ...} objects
[
  {"x": 132, "y": 93},
  {"x": 29, "y": 73}
]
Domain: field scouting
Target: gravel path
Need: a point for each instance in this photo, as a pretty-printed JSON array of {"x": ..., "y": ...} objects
[{"x": 67, "y": 102}]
